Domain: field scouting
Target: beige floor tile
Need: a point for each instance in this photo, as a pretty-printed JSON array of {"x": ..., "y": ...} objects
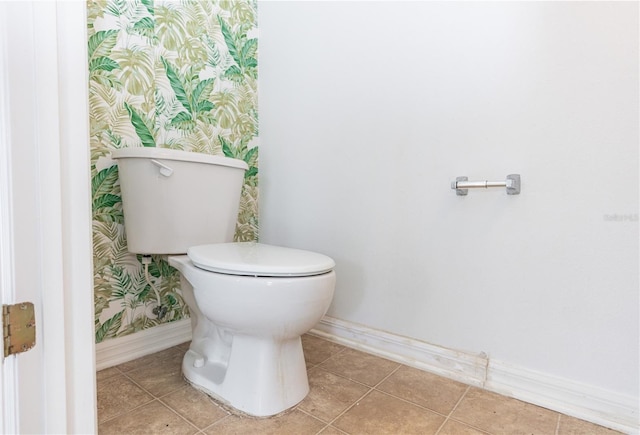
[
  {"x": 316, "y": 349},
  {"x": 195, "y": 406},
  {"x": 378, "y": 413},
  {"x": 153, "y": 418},
  {"x": 329, "y": 394},
  {"x": 183, "y": 347},
  {"x": 152, "y": 360},
  {"x": 424, "y": 389},
  {"x": 452, "y": 427},
  {"x": 573, "y": 426},
  {"x": 338, "y": 377},
  {"x": 293, "y": 422},
  {"x": 107, "y": 373},
  {"x": 160, "y": 376},
  {"x": 330, "y": 430},
  {"x": 117, "y": 395},
  {"x": 359, "y": 366},
  {"x": 502, "y": 415}
]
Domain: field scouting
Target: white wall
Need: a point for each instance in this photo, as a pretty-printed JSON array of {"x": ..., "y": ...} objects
[{"x": 370, "y": 109}]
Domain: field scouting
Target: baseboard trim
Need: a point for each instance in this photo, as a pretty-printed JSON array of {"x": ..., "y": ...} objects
[
  {"x": 461, "y": 366},
  {"x": 123, "y": 349},
  {"x": 603, "y": 407},
  {"x": 583, "y": 401}
]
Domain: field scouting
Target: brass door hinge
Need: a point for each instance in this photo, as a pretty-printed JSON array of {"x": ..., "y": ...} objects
[{"x": 18, "y": 328}]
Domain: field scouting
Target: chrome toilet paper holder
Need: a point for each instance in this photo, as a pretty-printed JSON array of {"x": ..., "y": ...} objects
[{"x": 511, "y": 183}]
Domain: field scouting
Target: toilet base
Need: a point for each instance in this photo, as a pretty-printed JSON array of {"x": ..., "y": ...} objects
[{"x": 262, "y": 377}]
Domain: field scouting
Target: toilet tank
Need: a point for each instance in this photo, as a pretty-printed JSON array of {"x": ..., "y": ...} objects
[{"x": 175, "y": 199}]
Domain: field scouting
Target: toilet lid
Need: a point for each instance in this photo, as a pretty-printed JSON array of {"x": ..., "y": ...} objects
[{"x": 256, "y": 259}]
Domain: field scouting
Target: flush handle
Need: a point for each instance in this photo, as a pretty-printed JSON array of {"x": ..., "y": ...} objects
[{"x": 164, "y": 169}]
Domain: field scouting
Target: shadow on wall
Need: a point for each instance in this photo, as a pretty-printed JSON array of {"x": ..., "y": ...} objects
[{"x": 349, "y": 299}]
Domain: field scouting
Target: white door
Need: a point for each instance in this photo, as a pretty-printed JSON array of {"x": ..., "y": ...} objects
[{"x": 45, "y": 223}]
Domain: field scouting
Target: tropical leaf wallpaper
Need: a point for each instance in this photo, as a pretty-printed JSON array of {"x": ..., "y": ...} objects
[{"x": 173, "y": 74}]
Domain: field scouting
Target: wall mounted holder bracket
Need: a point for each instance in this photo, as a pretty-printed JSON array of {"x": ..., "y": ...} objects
[{"x": 462, "y": 185}]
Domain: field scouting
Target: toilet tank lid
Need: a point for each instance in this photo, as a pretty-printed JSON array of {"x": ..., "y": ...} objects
[
  {"x": 170, "y": 154},
  {"x": 257, "y": 259}
]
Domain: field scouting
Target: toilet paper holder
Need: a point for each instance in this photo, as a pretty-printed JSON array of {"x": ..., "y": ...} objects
[{"x": 511, "y": 183}]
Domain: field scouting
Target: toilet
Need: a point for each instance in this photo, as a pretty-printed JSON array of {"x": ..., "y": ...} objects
[{"x": 249, "y": 302}]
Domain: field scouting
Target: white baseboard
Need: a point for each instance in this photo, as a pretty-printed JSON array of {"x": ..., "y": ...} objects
[
  {"x": 589, "y": 403},
  {"x": 122, "y": 349},
  {"x": 461, "y": 366},
  {"x": 603, "y": 407}
]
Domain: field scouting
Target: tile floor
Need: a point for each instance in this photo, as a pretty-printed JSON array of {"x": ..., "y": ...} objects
[{"x": 351, "y": 392}]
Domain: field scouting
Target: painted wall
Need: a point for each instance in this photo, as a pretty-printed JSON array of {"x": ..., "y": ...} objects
[
  {"x": 179, "y": 75},
  {"x": 370, "y": 109}
]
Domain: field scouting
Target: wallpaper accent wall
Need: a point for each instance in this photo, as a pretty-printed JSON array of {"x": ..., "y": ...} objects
[{"x": 173, "y": 74}]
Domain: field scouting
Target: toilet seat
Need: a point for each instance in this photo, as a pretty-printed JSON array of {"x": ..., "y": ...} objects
[{"x": 256, "y": 259}]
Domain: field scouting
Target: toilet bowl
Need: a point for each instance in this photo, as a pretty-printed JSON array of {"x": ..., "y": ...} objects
[
  {"x": 249, "y": 302},
  {"x": 246, "y": 349}
]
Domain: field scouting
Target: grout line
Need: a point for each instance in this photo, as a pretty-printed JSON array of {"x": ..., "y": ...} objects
[
  {"x": 453, "y": 410},
  {"x": 475, "y": 428},
  {"x": 154, "y": 398},
  {"x": 417, "y": 404},
  {"x": 328, "y": 358},
  {"x": 216, "y": 422},
  {"x": 558, "y": 424},
  {"x": 459, "y": 401},
  {"x": 118, "y": 372},
  {"x": 121, "y": 414},
  {"x": 159, "y": 399},
  {"x": 389, "y": 375},
  {"x": 179, "y": 415},
  {"x": 442, "y": 425},
  {"x": 357, "y": 401},
  {"x": 465, "y": 423},
  {"x": 332, "y": 427},
  {"x": 315, "y": 417},
  {"x": 340, "y": 375},
  {"x": 402, "y": 399},
  {"x": 140, "y": 386}
]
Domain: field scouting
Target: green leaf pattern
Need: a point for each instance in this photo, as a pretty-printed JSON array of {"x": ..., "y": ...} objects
[{"x": 171, "y": 74}]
